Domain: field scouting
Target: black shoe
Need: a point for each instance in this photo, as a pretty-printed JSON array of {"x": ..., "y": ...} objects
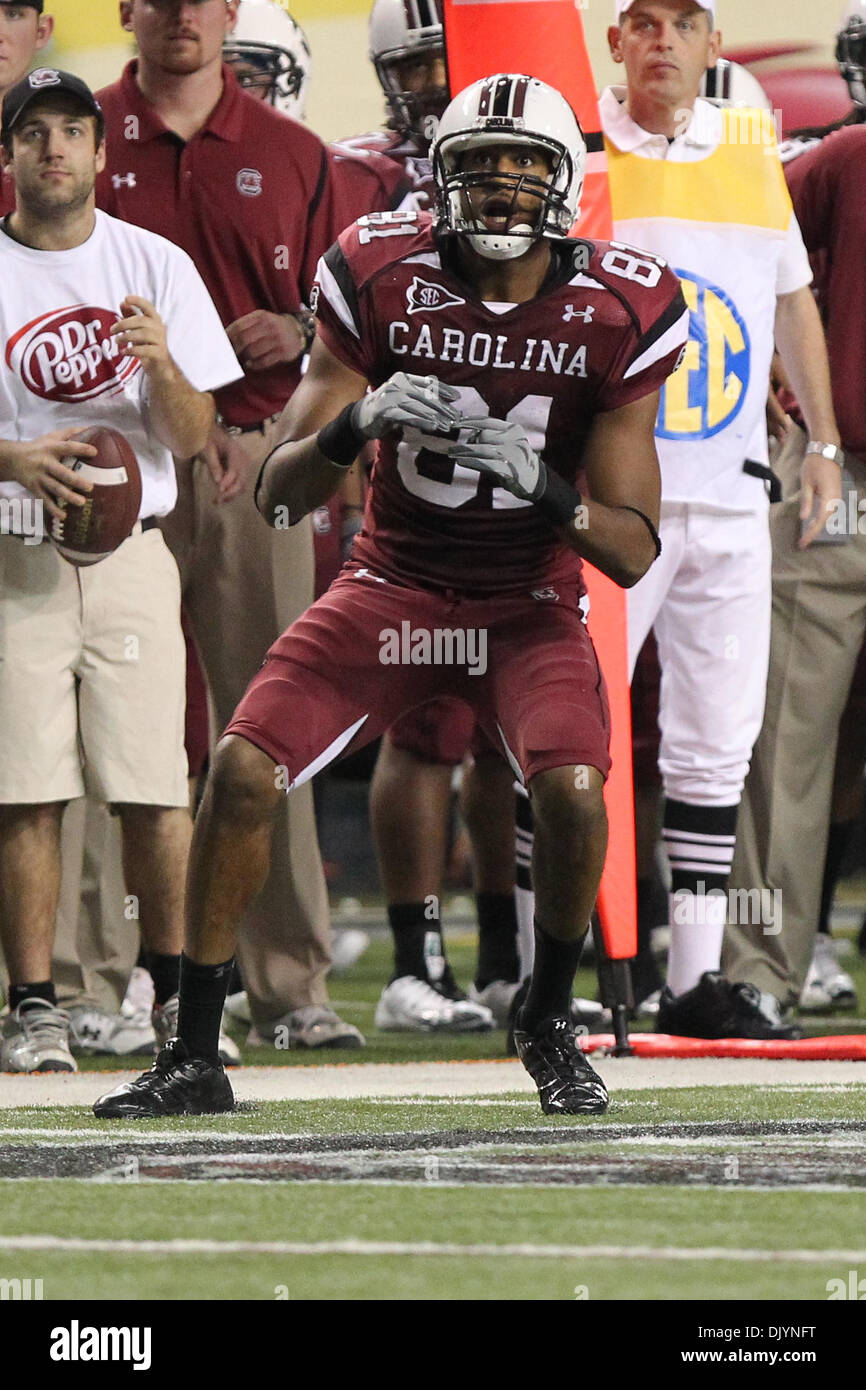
[
  {"x": 717, "y": 1008},
  {"x": 567, "y": 1084},
  {"x": 176, "y": 1084},
  {"x": 516, "y": 1005}
]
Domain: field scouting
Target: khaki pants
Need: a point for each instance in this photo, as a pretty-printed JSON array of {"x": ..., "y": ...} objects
[
  {"x": 819, "y": 616},
  {"x": 96, "y": 943},
  {"x": 243, "y": 583}
]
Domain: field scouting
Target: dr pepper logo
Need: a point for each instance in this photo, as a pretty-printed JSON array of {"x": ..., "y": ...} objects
[{"x": 68, "y": 355}]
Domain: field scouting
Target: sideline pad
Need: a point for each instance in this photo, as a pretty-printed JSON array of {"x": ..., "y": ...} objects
[
  {"x": 545, "y": 39},
  {"x": 850, "y": 1047}
]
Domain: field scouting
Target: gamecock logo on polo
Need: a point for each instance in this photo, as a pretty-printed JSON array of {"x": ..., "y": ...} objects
[{"x": 69, "y": 355}]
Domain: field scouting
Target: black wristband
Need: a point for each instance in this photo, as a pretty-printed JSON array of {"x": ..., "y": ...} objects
[
  {"x": 557, "y": 499},
  {"x": 340, "y": 441},
  {"x": 648, "y": 524}
]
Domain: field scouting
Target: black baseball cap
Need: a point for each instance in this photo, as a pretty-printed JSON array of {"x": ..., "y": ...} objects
[
  {"x": 37, "y": 83},
  {"x": 34, "y": 4}
]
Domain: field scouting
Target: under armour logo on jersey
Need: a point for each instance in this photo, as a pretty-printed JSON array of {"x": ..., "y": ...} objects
[
  {"x": 421, "y": 295},
  {"x": 249, "y": 182},
  {"x": 123, "y": 180},
  {"x": 569, "y": 313}
]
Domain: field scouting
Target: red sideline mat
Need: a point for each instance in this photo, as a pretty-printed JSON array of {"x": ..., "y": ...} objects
[
  {"x": 545, "y": 39},
  {"x": 847, "y": 1048}
]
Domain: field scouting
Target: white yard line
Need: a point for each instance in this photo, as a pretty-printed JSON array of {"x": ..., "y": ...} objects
[
  {"x": 401, "y": 1080},
  {"x": 71, "y": 1245}
]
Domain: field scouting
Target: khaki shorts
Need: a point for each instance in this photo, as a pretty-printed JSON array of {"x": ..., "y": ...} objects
[{"x": 92, "y": 676}]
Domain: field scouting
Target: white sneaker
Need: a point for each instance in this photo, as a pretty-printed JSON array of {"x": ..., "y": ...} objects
[
  {"x": 349, "y": 945},
  {"x": 827, "y": 986},
  {"x": 36, "y": 1038},
  {"x": 94, "y": 1033},
  {"x": 497, "y": 997},
  {"x": 410, "y": 1005},
  {"x": 237, "y": 1007},
  {"x": 164, "y": 1018},
  {"x": 139, "y": 991}
]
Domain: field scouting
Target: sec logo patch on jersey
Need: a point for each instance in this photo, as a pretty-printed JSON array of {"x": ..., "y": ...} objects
[
  {"x": 709, "y": 386},
  {"x": 424, "y": 295}
]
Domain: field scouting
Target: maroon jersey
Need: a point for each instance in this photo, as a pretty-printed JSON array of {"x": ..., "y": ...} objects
[
  {"x": 829, "y": 198},
  {"x": 248, "y": 197},
  {"x": 365, "y": 181},
  {"x": 415, "y": 164},
  {"x": 590, "y": 341}
]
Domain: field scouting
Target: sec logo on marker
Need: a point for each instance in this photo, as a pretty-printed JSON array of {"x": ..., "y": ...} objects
[{"x": 708, "y": 389}]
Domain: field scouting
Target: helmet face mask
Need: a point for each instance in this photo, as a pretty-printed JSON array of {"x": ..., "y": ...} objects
[
  {"x": 260, "y": 65},
  {"x": 270, "y": 55},
  {"x": 851, "y": 55},
  {"x": 403, "y": 32},
  {"x": 547, "y": 125}
]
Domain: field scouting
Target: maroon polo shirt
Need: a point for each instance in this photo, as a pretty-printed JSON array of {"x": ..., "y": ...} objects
[
  {"x": 249, "y": 198},
  {"x": 829, "y": 195}
]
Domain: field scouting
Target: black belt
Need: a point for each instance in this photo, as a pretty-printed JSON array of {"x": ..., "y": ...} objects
[
  {"x": 258, "y": 427},
  {"x": 760, "y": 470}
]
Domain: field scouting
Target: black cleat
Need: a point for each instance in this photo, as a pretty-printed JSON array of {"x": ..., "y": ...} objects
[
  {"x": 176, "y": 1084},
  {"x": 567, "y": 1084},
  {"x": 717, "y": 1008}
]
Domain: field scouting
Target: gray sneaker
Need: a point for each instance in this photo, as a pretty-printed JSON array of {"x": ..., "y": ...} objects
[
  {"x": 36, "y": 1038},
  {"x": 164, "y": 1018},
  {"x": 315, "y": 1025}
]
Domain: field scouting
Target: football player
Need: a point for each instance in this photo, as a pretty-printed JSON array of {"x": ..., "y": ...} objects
[
  {"x": 514, "y": 379},
  {"x": 270, "y": 56}
]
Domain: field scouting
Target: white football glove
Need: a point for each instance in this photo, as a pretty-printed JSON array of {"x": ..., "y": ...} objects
[
  {"x": 419, "y": 401},
  {"x": 503, "y": 451}
]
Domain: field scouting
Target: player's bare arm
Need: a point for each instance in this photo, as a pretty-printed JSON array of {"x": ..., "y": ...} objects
[
  {"x": 37, "y": 464},
  {"x": 803, "y": 350},
  {"x": 327, "y": 423},
  {"x": 181, "y": 416},
  {"x": 623, "y": 478}
]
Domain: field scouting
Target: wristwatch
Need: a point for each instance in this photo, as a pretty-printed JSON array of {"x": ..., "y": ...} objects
[
  {"x": 306, "y": 321},
  {"x": 827, "y": 451}
]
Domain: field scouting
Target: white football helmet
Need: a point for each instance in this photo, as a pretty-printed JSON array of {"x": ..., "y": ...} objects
[
  {"x": 730, "y": 84},
  {"x": 511, "y": 109},
  {"x": 851, "y": 50},
  {"x": 270, "y": 53},
  {"x": 401, "y": 29}
]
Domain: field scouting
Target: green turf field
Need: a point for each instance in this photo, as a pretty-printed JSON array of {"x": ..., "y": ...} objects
[{"x": 699, "y": 1192}]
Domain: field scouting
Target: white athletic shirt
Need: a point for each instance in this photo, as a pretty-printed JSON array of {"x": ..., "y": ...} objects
[
  {"x": 59, "y": 368},
  {"x": 715, "y": 205}
]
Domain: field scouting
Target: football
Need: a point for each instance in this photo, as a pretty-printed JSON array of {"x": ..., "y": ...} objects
[{"x": 85, "y": 535}]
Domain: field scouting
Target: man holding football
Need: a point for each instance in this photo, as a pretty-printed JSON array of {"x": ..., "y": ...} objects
[
  {"x": 529, "y": 449},
  {"x": 91, "y": 660}
]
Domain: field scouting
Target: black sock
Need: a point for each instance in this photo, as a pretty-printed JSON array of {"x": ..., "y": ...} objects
[
  {"x": 497, "y": 938},
  {"x": 417, "y": 939},
  {"x": 202, "y": 996},
  {"x": 142, "y": 957},
  {"x": 41, "y": 989},
  {"x": 838, "y": 841},
  {"x": 165, "y": 973},
  {"x": 645, "y": 976},
  {"x": 552, "y": 980}
]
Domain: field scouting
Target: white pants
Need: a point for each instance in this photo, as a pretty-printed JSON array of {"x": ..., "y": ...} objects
[{"x": 708, "y": 599}]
